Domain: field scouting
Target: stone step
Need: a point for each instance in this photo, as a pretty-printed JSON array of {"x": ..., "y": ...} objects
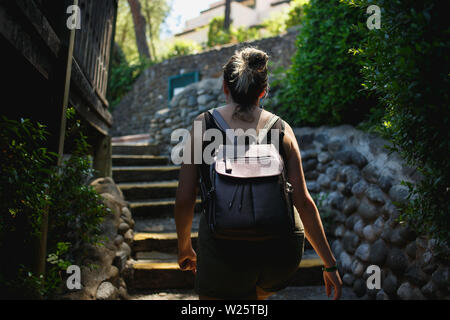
[
  {"x": 134, "y": 149},
  {"x": 149, "y": 190},
  {"x": 139, "y": 160},
  {"x": 145, "y": 174},
  {"x": 162, "y": 225},
  {"x": 160, "y": 271},
  {"x": 161, "y": 242},
  {"x": 156, "y": 233},
  {"x": 156, "y": 270},
  {"x": 155, "y": 208}
]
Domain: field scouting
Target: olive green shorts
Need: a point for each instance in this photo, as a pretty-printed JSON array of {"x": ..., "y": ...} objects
[{"x": 232, "y": 269}]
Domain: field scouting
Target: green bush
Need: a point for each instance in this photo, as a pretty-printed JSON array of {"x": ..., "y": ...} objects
[
  {"x": 406, "y": 63},
  {"x": 181, "y": 47},
  {"x": 295, "y": 13},
  {"x": 243, "y": 34},
  {"x": 30, "y": 185},
  {"x": 218, "y": 36},
  {"x": 122, "y": 75},
  {"x": 323, "y": 85},
  {"x": 216, "y": 33}
]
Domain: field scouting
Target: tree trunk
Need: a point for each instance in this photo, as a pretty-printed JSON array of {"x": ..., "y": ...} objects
[
  {"x": 150, "y": 30},
  {"x": 227, "y": 22},
  {"x": 139, "y": 28}
]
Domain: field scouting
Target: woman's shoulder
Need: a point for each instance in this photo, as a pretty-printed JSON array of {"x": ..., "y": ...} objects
[{"x": 267, "y": 114}]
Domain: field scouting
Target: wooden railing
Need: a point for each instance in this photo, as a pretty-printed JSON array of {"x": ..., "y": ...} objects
[{"x": 93, "y": 41}]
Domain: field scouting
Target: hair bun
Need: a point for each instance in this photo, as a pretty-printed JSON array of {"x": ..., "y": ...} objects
[{"x": 256, "y": 59}]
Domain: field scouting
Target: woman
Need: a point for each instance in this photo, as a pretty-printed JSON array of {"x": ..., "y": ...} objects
[{"x": 239, "y": 269}]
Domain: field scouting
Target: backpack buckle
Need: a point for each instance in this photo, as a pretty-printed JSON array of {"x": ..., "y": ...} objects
[{"x": 210, "y": 193}]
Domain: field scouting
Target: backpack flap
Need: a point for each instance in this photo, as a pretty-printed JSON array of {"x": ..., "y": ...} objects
[{"x": 258, "y": 160}]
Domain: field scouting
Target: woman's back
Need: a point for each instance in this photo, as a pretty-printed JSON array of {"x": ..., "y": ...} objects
[{"x": 241, "y": 269}]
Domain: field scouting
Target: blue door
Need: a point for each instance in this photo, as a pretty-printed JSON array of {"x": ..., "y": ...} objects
[{"x": 177, "y": 83}]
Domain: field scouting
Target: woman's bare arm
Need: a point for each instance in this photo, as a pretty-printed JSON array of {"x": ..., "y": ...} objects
[
  {"x": 185, "y": 204},
  {"x": 304, "y": 203}
]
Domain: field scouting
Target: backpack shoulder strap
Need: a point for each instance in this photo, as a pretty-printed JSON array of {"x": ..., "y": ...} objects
[
  {"x": 223, "y": 125},
  {"x": 267, "y": 127}
]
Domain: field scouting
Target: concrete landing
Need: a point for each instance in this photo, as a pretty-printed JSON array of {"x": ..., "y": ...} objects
[{"x": 290, "y": 293}]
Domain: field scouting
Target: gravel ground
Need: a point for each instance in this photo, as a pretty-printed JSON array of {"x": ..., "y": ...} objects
[{"x": 290, "y": 293}]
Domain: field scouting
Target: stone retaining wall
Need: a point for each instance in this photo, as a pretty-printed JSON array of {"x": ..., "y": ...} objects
[
  {"x": 184, "y": 108},
  {"x": 150, "y": 92},
  {"x": 111, "y": 263},
  {"x": 360, "y": 182}
]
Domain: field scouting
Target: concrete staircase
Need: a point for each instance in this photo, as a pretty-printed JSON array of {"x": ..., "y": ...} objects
[{"x": 149, "y": 184}]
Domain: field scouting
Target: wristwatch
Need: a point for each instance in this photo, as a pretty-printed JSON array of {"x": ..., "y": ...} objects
[{"x": 330, "y": 269}]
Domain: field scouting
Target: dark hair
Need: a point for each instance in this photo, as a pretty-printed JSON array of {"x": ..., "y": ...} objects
[{"x": 246, "y": 76}]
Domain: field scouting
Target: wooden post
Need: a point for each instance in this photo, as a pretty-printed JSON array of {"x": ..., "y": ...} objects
[
  {"x": 42, "y": 249},
  {"x": 103, "y": 157}
]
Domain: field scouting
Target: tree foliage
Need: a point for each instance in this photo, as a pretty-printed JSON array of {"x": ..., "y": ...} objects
[
  {"x": 407, "y": 64},
  {"x": 323, "y": 86},
  {"x": 155, "y": 13},
  {"x": 30, "y": 185}
]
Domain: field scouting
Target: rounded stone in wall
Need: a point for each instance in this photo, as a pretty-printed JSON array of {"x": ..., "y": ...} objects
[
  {"x": 313, "y": 186},
  {"x": 390, "y": 284},
  {"x": 429, "y": 290},
  {"x": 369, "y": 233},
  {"x": 348, "y": 189},
  {"x": 378, "y": 252},
  {"x": 371, "y": 173},
  {"x": 324, "y": 157},
  {"x": 106, "y": 291},
  {"x": 415, "y": 275},
  {"x": 359, "y": 189},
  {"x": 350, "y": 241},
  {"x": 359, "y": 287},
  {"x": 334, "y": 146},
  {"x": 441, "y": 277},
  {"x": 358, "y": 159},
  {"x": 322, "y": 138},
  {"x": 345, "y": 262},
  {"x": 192, "y": 101},
  {"x": 402, "y": 234},
  {"x": 323, "y": 181},
  {"x": 350, "y": 205},
  {"x": 339, "y": 231},
  {"x": 336, "y": 200},
  {"x": 309, "y": 165},
  {"x": 363, "y": 252},
  {"x": 337, "y": 248},
  {"x": 399, "y": 193},
  {"x": 374, "y": 194},
  {"x": 397, "y": 261},
  {"x": 411, "y": 250},
  {"x": 385, "y": 183},
  {"x": 381, "y": 295},
  {"x": 351, "y": 173},
  {"x": 357, "y": 268},
  {"x": 386, "y": 234},
  {"x": 348, "y": 279},
  {"x": 343, "y": 156},
  {"x": 350, "y": 222},
  {"x": 309, "y": 154},
  {"x": 358, "y": 226},
  {"x": 408, "y": 292},
  {"x": 378, "y": 226},
  {"x": 367, "y": 210}
]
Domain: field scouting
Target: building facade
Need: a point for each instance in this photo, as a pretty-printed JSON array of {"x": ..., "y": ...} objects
[{"x": 244, "y": 13}]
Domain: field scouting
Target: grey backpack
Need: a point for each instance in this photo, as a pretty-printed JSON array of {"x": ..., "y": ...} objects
[{"x": 248, "y": 196}]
